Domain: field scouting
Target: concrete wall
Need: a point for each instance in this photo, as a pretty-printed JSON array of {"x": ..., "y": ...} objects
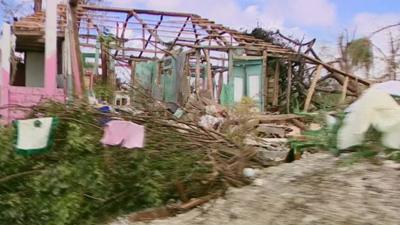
[{"x": 34, "y": 69}]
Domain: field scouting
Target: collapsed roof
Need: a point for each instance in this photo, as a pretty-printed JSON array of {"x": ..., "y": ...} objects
[{"x": 147, "y": 34}]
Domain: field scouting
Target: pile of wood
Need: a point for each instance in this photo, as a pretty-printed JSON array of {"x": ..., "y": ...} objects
[
  {"x": 271, "y": 137},
  {"x": 267, "y": 135}
]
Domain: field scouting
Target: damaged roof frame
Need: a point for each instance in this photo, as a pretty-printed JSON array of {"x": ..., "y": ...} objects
[{"x": 155, "y": 34}]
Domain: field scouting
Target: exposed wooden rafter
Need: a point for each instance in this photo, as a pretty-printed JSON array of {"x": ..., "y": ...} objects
[
  {"x": 179, "y": 34},
  {"x": 149, "y": 38}
]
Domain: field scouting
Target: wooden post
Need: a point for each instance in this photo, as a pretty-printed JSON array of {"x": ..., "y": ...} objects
[
  {"x": 220, "y": 82},
  {"x": 37, "y": 6},
  {"x": 265, "y": 79},
  {"x": 311, "y": 90},
  {"x": 112, "y": 81},
  {"x": 275, "y": 97},
  {"x": 143, "y": 37},
  {"x": 210, "y": 87},
  {"x": 230, "y": 67},
  {"x": 96, "y": 58},
  {"x": 198, "y": 71},
  {"x": 50, "y": 79},
  {"x": 133, "y": 73},
  {"x": 289, "y": 86},
  {"x": 357, "y": 87},
  {"x": 155, "y": 46},
  {"x": 104, "y": 64},
  {"x": 344, "y": 90},
  {"x": 68, "y": 67},
  {"x": 75, "y": 49}
]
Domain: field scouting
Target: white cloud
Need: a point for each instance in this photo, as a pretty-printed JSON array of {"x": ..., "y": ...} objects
[
  {"x": 273, "y": 14},
  {"x": 366, "y": 23},
  {"x": 289, "y": 16},
  {"x": 227, "y": 12},
  {"x": 321, "y": 13}
]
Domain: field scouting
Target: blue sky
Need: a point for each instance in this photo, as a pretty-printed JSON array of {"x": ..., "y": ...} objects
[
  {"x": 321, "y": 19},
  {"x": 347, "y": 11},
  {"x": 324, "y": 20}
]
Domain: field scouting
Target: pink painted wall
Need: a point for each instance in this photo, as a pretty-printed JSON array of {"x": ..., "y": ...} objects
[
  {"x": 13, "y": 100},
  {"x": 4, "y": 95},
  {"x": 27, "y": 97}
]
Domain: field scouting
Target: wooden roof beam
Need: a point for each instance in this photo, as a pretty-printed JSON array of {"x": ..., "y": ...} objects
[
  {"x": 145, "y": 26},
  {"x": 149, "y": 38},
  {"x": 137, "y": 11},
  {"x": 126, "y": 49},
  {"x": 123, "y": 30},
  {"x": 179, "y": 34},
  {"x": 334, "y": 70}
]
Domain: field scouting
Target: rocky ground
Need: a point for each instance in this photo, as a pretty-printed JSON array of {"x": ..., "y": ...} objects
[{"x": 316, "y": 190}]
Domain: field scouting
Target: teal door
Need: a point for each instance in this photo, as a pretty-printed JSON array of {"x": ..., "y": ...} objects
[
  {"x": 144, "y": 73},
  {"x": 169, "y": 80},
  {"x": 247, "y": 79}
]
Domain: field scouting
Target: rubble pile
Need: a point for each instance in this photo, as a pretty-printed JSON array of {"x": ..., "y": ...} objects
[{"x": 266, "y": 134}]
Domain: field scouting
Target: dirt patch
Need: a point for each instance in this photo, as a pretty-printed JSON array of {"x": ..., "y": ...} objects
[{"x": 315, "y": 190}]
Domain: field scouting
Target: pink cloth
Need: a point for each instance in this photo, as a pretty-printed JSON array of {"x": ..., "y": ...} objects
[{"x": 124, "y": 133}]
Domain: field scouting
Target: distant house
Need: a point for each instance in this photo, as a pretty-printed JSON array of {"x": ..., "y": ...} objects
[{"x": 32, "y": 63}]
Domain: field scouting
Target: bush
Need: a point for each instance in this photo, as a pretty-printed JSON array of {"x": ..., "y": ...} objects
[{"x": 82, "y": 182}]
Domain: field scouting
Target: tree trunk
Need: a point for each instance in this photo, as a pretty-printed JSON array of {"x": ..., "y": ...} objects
[{"x": 104, "y": 64}]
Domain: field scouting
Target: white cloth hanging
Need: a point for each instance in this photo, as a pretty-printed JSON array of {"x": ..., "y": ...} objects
[{"x": 34, "y": 136}]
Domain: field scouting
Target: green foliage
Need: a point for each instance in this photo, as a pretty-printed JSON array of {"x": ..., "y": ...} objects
[
  {"x": 82, "y": 182},
  {"x": 326, "y": 101},
  {"x": 266, "y": 35},
  {"x": 361, "y": 53},
  {"x": 107, "y": 39},
  {"x": 361, "y": 154},
  {"x": 324, "y": 138},
  {"x": 103, "y": 91}
]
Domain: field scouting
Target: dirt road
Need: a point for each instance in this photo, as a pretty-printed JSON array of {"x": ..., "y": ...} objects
[{"x": 316, "y": 190}]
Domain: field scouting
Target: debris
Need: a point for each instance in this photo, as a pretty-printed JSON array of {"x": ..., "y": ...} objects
[
  {"x": 179, "y": 113},
  {"x": 291, "y": 194},
  {"x": 295, "y": 131},
  {"x": 194, "y": 203},
  {"x": 210, "y": 122},
  {"x": 150, "y": 214},
  {"x": 258, "y": 182},
  {"x": 272, "y": 118},
  {"x": 278, "y": 131},
  {"x": 249, "y": 172}
]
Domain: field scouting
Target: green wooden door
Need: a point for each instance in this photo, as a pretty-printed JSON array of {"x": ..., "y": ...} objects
[{"x": 247, "y": 79}]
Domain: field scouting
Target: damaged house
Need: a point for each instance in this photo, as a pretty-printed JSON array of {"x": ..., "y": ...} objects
[{"x": 62, "y": 52}]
